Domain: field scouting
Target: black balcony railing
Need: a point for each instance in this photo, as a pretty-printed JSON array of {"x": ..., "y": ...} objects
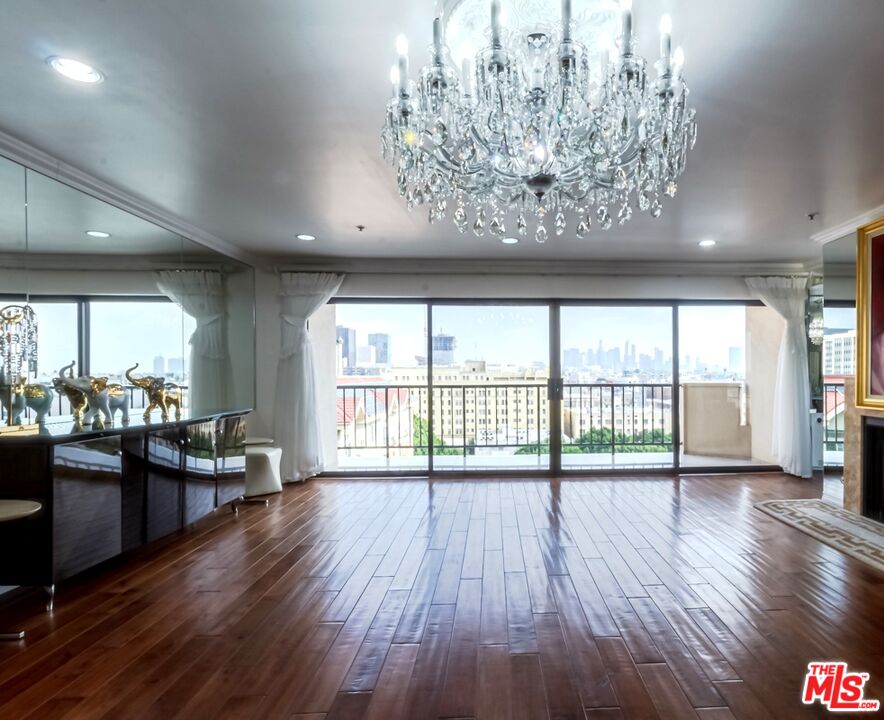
[
  {"x": 381, "y": 417},
  {"x": 833, "y": 408},
  {"x": 504, "y": 418},
  {"x": 624, "y": 418}
]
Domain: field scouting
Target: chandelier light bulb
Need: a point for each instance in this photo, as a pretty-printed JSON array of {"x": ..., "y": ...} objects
[
  {"x": 678, "y": 57},
  {"x": 401, "y": 44},
  {"x": 585, "y": 144}
]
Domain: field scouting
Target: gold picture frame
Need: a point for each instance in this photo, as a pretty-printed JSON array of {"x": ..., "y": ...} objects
[{"x": 870, "y": 315}]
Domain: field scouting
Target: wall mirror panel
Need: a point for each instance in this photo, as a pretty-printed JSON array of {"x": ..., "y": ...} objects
[
  {"x": 112, "y": 291},
  {"x": 839, "y": 340}
]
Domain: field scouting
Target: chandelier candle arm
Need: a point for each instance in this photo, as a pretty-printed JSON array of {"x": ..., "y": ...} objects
[
  {"x": 402, "y": 49},
  {"x": 566, "y": 21},
  {"x": 626, "y": 31},
  {"x": 466, "y": 71},
  {"x": 665, "y": 37},
  {"x": 438, "y": 42},
  {"x": 495, "y": 25}
]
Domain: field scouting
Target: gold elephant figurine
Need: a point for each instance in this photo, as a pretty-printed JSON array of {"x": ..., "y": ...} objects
[
  {"x": 76, "y": 397},
  {"x": 160, "y": 394}
]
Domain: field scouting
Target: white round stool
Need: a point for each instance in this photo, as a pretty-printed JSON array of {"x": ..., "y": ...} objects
[{"x": 15, "y": 510}]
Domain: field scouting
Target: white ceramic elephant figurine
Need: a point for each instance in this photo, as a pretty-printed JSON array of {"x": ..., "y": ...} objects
[
  {"x": 107, "y": 401},
  {"x": 38, "y": 397},
  {"x": 99, "y": 395}
]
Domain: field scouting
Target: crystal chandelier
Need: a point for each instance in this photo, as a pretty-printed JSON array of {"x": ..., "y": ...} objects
[{"x": 538, "y": 124}]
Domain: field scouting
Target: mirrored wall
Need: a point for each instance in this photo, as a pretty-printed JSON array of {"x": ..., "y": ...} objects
[
  {"x": 118, "y": 297},
  {"x": 838, "y": 358}
]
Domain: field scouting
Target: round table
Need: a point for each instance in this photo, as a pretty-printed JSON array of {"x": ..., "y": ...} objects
[{"x": 16, "y": 510}]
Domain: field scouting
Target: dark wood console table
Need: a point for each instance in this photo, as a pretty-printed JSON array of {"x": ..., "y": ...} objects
[{"x": 106, "y": 492}]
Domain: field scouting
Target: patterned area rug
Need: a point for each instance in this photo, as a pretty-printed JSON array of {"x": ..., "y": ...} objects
[{"x": 848, "y": 532}]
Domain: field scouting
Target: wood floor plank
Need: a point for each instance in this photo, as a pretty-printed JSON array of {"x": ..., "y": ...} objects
[
  {"x": 495, "y": 691},
  {"x": 460, "y": 692},
  {"x": 363, "y": 673},
  {"x": 428, "y": 676},
  {"x": 526, "y": 683},
  {"x": 390, "y": 693},
  {"x": 493, "y": 630},
  {"x": 593, "y": 683},
  {"x": 562, "y": 699}
]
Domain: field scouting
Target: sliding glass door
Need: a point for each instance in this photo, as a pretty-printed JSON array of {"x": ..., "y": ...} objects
[
  {"x": 727, "y": 372},
  {"x": 617, "y": 390},
  {"x": 490, "y": 387},
  {"x": 382, "y": 401},
  {"x": 450, "y": 386}
]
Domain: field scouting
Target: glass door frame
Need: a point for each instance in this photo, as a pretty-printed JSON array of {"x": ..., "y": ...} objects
[{"x": 555, "y": 388}]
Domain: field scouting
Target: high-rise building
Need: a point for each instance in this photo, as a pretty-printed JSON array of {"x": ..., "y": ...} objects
[
  {"x": 443, "y": 349},
  {"x": 347, "y": 336},
  {"x": 573, "y": 358},
  {"x": 839, "y": 352},
  {"x": 175, "y": 367},
  {"x": 366, "y": 356},
  {"x": 658, "y": 360},
  {"x": 381, "y": 344},
  {"x": 159, "y": 366}
]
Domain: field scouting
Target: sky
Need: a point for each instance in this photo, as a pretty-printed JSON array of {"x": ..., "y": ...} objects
[
  {"x": 520, "y": 334},
  {"x": 123, "y": 333},
  {"x": 839, "y": 318}
]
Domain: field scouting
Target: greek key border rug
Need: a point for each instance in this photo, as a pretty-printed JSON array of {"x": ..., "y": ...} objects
[{"x": 848, "y": 532}]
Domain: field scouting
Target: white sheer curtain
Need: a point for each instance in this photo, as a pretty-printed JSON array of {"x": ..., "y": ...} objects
[
  {"x": 201, "y": 294},
  {"x": 296, "y": 414},
  {"x": 791, "y": 410}
]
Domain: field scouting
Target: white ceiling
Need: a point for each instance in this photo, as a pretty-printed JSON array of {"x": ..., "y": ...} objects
[{"x": 257, "y": 120}]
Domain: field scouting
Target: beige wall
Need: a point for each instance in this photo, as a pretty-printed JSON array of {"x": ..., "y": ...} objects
[
  {"x": 712, "y": 422},
  {"x": 764, "y": 332}
]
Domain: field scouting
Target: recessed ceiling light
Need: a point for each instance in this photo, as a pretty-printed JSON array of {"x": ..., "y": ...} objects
[
  {"x": 509, "y": 240},
  {"x": 305, "y": 237},
  {"x": 98, "y": 234},
  {"x": 75, "y": 70},
  {"x": 706, "y": 243}
]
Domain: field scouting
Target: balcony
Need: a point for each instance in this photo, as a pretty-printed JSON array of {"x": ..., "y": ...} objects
[
  {"x": 506, "y": 426},
  {"x": 833, "y": 434}
]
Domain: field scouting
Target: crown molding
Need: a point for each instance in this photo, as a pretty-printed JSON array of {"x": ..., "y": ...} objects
[
  {"x": 848, "y": 227},
  {"x": 42, "y": 162},
  {"x": 445, "y": 266}
]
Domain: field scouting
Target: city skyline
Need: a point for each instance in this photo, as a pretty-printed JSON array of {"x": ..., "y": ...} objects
[{"x": 709, "y": 336}]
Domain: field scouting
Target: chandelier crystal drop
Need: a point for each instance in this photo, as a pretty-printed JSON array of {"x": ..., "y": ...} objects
[{"x": 538, "y": 125}]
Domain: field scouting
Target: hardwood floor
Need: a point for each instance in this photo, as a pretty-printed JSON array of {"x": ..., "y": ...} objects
[{"x": 622, "y": 598}]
